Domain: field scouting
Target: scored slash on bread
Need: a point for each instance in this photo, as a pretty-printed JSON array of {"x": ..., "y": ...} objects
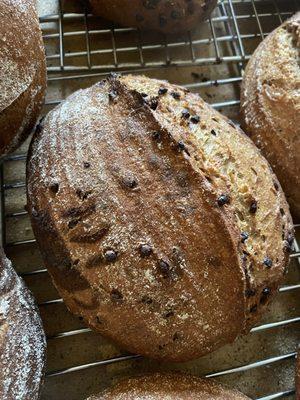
[
  {"x": 168, "y": 386},
  {"x": 159, "y": 221},
  {"x": 22, "y": 338}
]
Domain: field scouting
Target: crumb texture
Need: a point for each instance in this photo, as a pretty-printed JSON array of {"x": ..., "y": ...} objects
[{"x": 22, "y": 339}]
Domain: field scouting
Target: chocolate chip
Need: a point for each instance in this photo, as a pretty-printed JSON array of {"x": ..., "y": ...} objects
[
  {"x": 265, "y": 294},
  {"x": 176, "y": 336},
  {"x": 162, "y": 20},
  {"x": 147, "y": 300},
  {"x": 223, "y": 199},
  {"x": 181, "y": 145},
  {"x": 253, "y": 309},
  {"x": 130, "y": 182},
  {"x": 253, "y": 207},
  {"x": 266, "y": 291},
  {"x": 289, "y": 243},
  {"x": 162, "y": 90},
  {"x": 250, "y": 292},
  {"x": 175, "y": 95},
  {"x": 86, "y": 164},
  {"x": 213, "y": 132},
  {"x": 73, "y": 223},
  {"x": 276, "y": 186},
  {"x": 145, "y": 250},
  {"x": 268, "y": 262},
  {"x": 153, "y": 103},
  {"x": 185, "y": 114},
  {"x": 110, "y": 255},
  {"x": 282, "y": 211},
  {"x": 113, "y": 95},
  {"x": 164, "y": 268},
  {"x": 195, "y": 119},
  {"x": 54, "y": 187},
  {"x": 244, "y": 236},
  {"x": 168, "y": 314},
  {"x": 144, "y": 95},
  {"x": 116, "y": 295},
  {"x": 156, "y": 135}
]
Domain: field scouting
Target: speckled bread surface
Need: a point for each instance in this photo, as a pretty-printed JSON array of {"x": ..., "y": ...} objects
[
  {"x": 22, "y": 72},
  {"x": 171, "y": 386},
  {"x": 270, "y": 105},
  {"x": 159, "y": 221},
  {"x": 163, "y": 15},
  {"x": 22, "y": 339}
]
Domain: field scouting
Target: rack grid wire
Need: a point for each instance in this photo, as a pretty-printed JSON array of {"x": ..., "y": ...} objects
[{"x": 80, "y": 50}]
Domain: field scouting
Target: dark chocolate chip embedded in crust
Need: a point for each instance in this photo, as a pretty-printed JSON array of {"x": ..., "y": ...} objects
[
  {"x": 153, "y": 103},
  {"x": 146, "y": 300},
  {"x": 113, "y": 95},
  {"x": 213, "y": 132},
  {"x": 223, "y": 199},
  {"x": 116, "y": 295},
  {"x": 156, "y": 135},
  {"x": 145, "y": 250},
  {"x": 162, "y": 90},
  {"x": 250, "y": 292},
  {"x": 110, "y": 255},
  {"x": 268, "y": 262},
  {"x": 54, "y": 187},
  {"x": 181, "y": 145},
  {"x": 195, "y": 119},
  {"x": 175, "y": 95},
  {"x": 253, "y": 207},
  {"x": 130, "y": 182},
  {"x": 265, "y": 294},
  {"x": 86, "y": 164},
  {"x": 185, "y": 114},
  {"x": 244, "y": 236}
]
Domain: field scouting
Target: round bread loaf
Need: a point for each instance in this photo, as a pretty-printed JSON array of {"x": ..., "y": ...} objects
[
  {"x": 270, "y": 105},
  {"x": 170, "y": 386},
  {"x": 22, "y": 339},
  {"x": 160, "y": 222},
  {"x": 162, "y": 15},
  {"x": 22, "y": 72}
]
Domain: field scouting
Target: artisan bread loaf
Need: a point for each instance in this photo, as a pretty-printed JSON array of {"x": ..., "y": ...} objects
[
  {"x": 170, "y": 386},
  {"x": 160, "y": 222},
  {"x": 22, "y": 339},
  {"x": 270, "y": 104},
  {"x": 22, "y": 71},
  {"x": 162, "y": 15}
]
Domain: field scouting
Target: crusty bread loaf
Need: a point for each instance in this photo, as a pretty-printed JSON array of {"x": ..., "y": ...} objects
[
  {"x": 22, "y": 339},
  {"x": 160, "y": 222},
  {"x": 170, "y": 386},
  {"x": 162, "y": 15},
  {"x": 22, "y": 72},
  {"x": 270, "y": 104}
]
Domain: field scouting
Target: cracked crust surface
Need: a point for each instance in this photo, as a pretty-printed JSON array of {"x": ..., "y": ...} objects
[
  {"x": 22, "y": 72},
  {"x": 270, "y": 105},
  {"x": 163, "y": 15},
  {"x": 169, "y": 387},
  {"x": 139, "y": 197}
]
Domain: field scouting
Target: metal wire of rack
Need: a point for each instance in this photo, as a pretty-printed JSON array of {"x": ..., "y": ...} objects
[{"x": 82, "y": 49}]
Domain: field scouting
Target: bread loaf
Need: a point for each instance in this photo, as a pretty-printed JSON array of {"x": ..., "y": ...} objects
[
  {"x": 22, "y": 71},
  {"x": 162, "y": 15},
  {"x": 22, "y": 339},
  {"x": 160, "y": 222},
  {"x": 270, "y": 105},
  {"x": 171, "y": 386}
]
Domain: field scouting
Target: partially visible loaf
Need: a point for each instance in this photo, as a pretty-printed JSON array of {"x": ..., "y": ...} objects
[
  {"x": 159, "y": 221},
  {"x": 22, "y": 338},
  {"x": 169, "y": 386},
  {"x": 270, "y": 105},
  {"x": 162, "y": 15},
  {"x": 22, "y": 72}
]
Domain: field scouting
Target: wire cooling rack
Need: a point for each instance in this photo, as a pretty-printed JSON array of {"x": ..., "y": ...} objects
[{"x": 80, "y": 50}]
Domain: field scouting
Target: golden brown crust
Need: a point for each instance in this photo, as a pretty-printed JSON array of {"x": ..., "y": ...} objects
[
  {"x": 22, "y": 339},
  {"x": 167, "y": 387},
  {"x": 113, "y": 170},
  {"x": 162, "y": 15},
  {"x": 22, "y": 71},
  {"x": 270, "y": 105}
]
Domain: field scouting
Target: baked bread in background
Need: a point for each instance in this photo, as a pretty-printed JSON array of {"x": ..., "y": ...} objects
[
  {"x": 159, "y": 221},
  {"x": 22, "y": 338},
  {"x": 169, "y": 386},
  {"x": 22, "y": 72},
  {"x": 162, "y": 15},
  {"x": 270, "y": 105}
]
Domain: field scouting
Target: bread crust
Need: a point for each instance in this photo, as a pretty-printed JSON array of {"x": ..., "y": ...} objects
[
  {"x": 22, "y": 72},
  {"x": 270, "y": 105},
  {"x": 162, "y": 15},
  {"x": 108, "y": 173},
  {"x": 169, "y": 386},
  {"x": 22, "y": 339}
]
